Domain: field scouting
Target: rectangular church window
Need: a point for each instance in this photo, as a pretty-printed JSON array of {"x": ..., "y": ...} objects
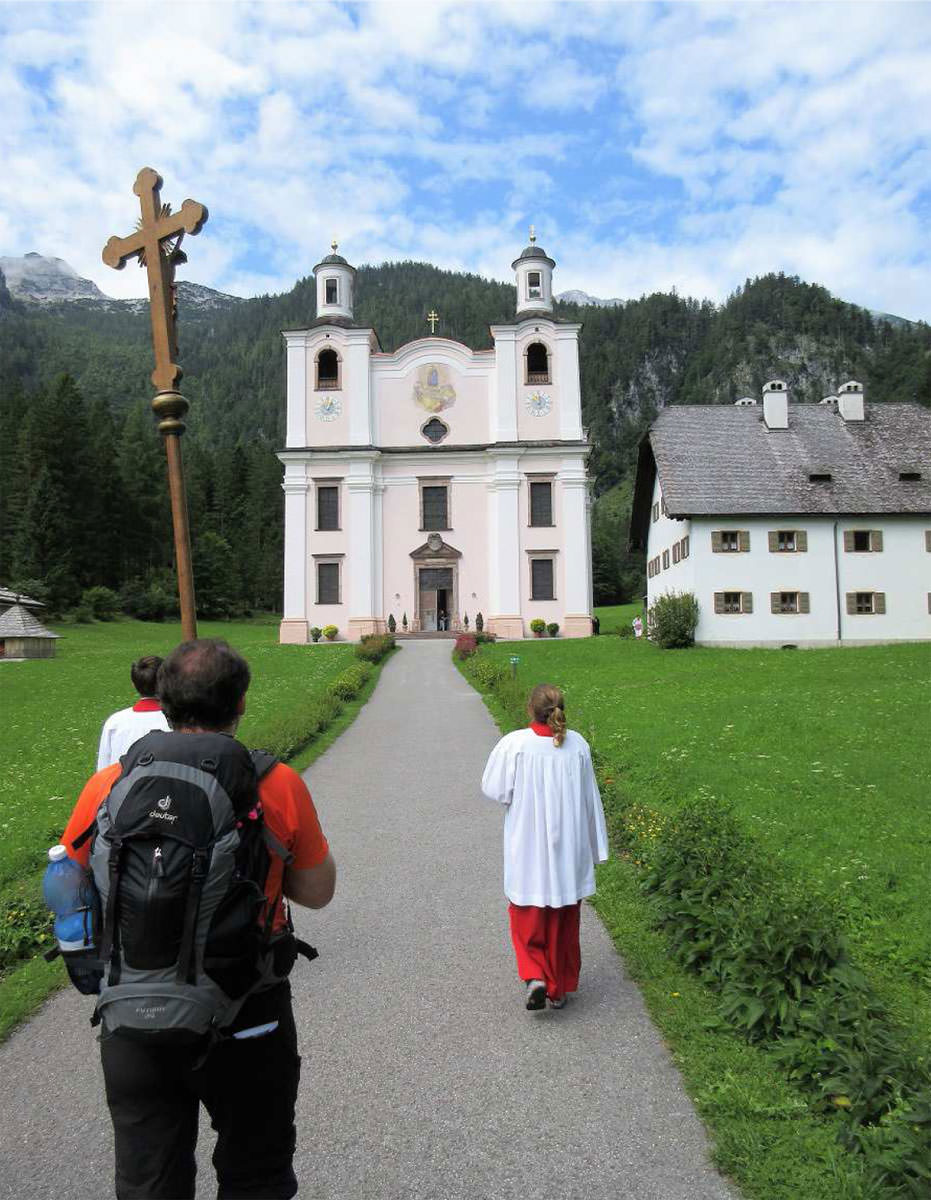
[
  {"x": 435, "y": 502},
  {"x": 328, "y": 507},
  {"x": 541, "y": 503},
  {"x": 533, "y": 285},
  {"x": 332, "y": 291},
  {"x": 541, "y": 579},
  {"x": 328, "y": 583}
]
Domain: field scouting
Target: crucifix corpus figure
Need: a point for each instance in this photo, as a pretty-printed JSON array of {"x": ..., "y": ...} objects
[{"x": 157, "y": 244}]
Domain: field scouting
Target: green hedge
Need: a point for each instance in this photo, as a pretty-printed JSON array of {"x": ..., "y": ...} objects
[
  {"x": 374, "y": 646},
  {"x": 773, "y": 951}
]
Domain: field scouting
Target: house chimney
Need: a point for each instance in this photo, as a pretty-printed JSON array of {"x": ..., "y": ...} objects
[
  {"x": 850, "y": 402},
  {"x": 776, "y": 404}
]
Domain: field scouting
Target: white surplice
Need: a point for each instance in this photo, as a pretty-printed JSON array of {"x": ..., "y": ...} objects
[
  {"x": 554, "y": 827},
  {"x": 123, "y": 729}
]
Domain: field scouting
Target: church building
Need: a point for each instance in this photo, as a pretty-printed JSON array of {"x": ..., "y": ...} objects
[{"x": 435, "y": 483}]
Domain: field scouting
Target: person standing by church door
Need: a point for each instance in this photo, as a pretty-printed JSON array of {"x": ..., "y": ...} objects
[{"x": 554, "y": 833}]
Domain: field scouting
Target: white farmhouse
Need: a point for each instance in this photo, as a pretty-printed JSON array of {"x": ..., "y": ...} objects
[
  {"x": 792, "y": 524},
  {"x": 436, "y": 482}
]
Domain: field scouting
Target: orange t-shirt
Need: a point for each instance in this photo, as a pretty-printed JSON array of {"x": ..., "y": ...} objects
[{"x": 289, "y": 814}]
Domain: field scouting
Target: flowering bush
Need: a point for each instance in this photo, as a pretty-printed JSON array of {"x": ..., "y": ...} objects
[
  {"x": 465, "y": 646},
  {"x": 330, "y": 632}
]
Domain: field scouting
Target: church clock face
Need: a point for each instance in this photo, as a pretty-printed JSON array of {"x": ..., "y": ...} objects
[
  {"x": 328, "y": 408},
  {"x": 539, "y": 404}
]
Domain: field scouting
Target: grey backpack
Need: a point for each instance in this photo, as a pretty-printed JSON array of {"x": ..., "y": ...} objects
[{"x": 180, "y": 858}]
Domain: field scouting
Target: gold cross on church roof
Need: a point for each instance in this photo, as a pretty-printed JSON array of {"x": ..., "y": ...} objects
[{"x": 433, "y": 316}]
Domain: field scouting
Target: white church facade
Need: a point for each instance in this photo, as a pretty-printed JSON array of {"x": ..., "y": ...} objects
[
  {"x": 792, "y": 524},
  {"x": 435, "y": 483}
]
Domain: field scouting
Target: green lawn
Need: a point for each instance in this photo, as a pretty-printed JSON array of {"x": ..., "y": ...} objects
[
  {"x": 53, "y": 709},
  {"x": 823, "y": 751},
  {"x": 613, "y": 616}
]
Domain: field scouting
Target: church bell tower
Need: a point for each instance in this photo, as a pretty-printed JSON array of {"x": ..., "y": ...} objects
[
  {"x": 533, "y": 269},
  {"x": 335, "y": 280}
]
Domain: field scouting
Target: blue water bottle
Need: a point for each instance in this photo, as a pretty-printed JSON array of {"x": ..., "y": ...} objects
[{"x": 69, "y": 894}]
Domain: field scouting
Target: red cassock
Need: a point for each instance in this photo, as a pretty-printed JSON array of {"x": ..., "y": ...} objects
[{"x": 546, "y": 943}]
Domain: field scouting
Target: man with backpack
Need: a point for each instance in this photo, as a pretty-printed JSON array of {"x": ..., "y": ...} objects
[{"x": 194, "y": 844}]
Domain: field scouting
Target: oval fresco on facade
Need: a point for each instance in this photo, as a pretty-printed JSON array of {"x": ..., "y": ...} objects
[{"x": 433, "y": 391}]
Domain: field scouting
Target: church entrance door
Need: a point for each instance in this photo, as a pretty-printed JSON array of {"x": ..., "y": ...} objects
[{"x": 435, "y": 589}]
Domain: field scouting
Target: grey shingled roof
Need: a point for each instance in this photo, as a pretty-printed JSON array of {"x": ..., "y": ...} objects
[
  {"x": 720, "y": 459},
  {"x": 18, "y": 622},
  {"x": 8, "y": 597}
]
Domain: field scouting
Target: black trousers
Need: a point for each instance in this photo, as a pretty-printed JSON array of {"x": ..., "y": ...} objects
[{"x": 249, "y": 1088}]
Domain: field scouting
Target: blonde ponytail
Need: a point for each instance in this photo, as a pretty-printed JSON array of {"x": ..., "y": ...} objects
[{"x": 548, "y": 707}]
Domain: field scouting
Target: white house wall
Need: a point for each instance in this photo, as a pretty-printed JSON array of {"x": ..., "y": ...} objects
[{"x": 901, "y": 571}]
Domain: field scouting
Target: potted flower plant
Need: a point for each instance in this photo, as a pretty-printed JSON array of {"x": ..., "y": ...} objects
[
  {"x": 552, "y": 629},
  {"x": 315, "y": 633},
  {"x": 330, "y": 632},
  {"x": 538, "y": 627}
]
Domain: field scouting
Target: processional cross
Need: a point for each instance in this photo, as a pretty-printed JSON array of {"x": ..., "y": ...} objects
[
  {"x": 157, "y": 244},
  {"x": 433, "y": 316}
]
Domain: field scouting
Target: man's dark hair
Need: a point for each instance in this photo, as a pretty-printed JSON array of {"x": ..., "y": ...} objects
[
  {"x": 143, "y": 673},
  {"x": 201, "y": 683}
]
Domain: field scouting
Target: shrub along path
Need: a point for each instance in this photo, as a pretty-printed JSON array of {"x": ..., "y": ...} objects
[{"x": 424, "y": 1078}]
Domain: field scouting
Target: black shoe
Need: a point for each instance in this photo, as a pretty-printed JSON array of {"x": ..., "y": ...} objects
[{"x": 536, "y": 995}]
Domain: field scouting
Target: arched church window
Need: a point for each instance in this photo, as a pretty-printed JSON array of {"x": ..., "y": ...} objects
[
  {"x": 327, "y": 371},
  {"x": 538, "y": 363},
  {"x": 435, "y": 430}
]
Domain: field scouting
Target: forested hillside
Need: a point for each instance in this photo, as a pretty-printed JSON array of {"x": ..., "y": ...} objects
[{"x": 83, "y": 500}]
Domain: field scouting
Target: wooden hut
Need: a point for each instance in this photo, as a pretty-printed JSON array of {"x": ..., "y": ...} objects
[{"x": 21, "y": 635}]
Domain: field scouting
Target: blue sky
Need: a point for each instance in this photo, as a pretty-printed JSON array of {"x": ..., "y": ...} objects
[{"x": 652, "y": 145}]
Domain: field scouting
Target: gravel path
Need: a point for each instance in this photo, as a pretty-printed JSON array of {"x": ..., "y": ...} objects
[{"x": 423, "y": 1076}]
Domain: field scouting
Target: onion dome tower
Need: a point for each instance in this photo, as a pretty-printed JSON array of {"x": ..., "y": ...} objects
[
  {"x": 534, "y": 271},
  {"x": 335, "y": 281}
]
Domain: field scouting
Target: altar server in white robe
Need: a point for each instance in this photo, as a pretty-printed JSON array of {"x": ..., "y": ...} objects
[
  {"x": 122, "y": 729},
  {"x": 554, "y": 833}
]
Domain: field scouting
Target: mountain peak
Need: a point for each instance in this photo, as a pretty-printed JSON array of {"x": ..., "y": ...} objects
[{"x": 42, "y": 279}]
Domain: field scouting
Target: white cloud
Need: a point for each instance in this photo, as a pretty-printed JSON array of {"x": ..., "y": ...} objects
[{"x": 685, "y": 145}]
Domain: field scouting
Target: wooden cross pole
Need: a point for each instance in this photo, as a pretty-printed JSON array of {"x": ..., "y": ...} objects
[{"x": 157, "y": 244}]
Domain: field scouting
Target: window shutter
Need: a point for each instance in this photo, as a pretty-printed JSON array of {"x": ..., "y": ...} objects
[
  {"x": 928, "y": 540},
  {"x": 773, "y": 541},
  {"x": 435, "y": 508},
  {"x": 876, "y": 539},
  {"x": 848, "y": 540},
  {"x": 675, "y": 552},
  {"x": 879, "y": 602},
  {"x": 851, "y": 602},
  {"x": 328, "y": 583},
  {"x": 541, "y": 503},
  {"x": 719, "y": 602},
  {"x": 746, "y": 602},
  {"x": 327, "y": 507},
  {"x": 541, "y": 579},
  {"x": 804, "y": 602},
  {"x": 744, "y": 540},
  {"x": 716, "y": 544},
  {"x": 774, "y": 602},
  {"x": 801, "y": 540}
]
